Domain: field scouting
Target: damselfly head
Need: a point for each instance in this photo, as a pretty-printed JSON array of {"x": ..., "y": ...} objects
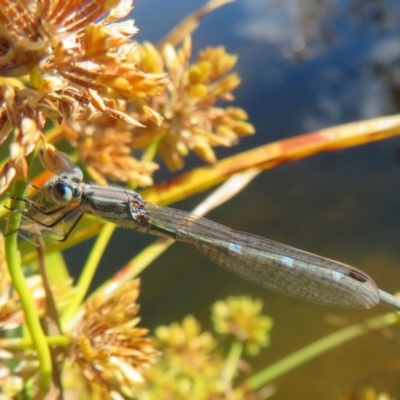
[
  {"x": 53, "y": 210},
  {"x": 64, "y": 188}
]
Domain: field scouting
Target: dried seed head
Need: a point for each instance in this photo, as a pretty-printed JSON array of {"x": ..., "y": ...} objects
[
  {"x": 81, "y": 65},
  {"x": 191, "y": 122},
  {"x": 107, "y": 344}
]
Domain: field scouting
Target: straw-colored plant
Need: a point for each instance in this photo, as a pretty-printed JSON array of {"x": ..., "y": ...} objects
[{"x": 75, "y": 88}]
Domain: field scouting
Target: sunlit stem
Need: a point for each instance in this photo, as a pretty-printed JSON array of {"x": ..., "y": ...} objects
[
  {"x": 267, "y": 375},
  {"x": 135, "y": 266},
  {"x": 151, "y": 150},
  {"x": 27, "y": 343},
  {"x": 35, "y": 77},
  {"x": 88, "y": 272},
  {"x": 231, "y": 363},
  {"x": 22, "y": 288}
]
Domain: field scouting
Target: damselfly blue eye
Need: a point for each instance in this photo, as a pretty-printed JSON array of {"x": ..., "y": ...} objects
[{"x": 61, "y": 193}]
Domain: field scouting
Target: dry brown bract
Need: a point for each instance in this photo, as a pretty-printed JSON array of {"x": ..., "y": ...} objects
[
  {"x": 192, "y": 122},
  {"x": 190, "y": 119},
  {"x": 107, "y": 344},
  {"x": 78, "y": 69}
]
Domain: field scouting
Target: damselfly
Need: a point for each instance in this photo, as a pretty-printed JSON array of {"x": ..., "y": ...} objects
[{"x": 264, "y": 262}]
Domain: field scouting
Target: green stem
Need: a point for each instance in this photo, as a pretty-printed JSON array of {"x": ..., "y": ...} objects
[
  {"x": 27, "y": 343},
  {"x": 35, "y": 77},
  {"x": 315, "y": 349},
  {"x": 22, "y": 288},
  {"x": 232, "y": 362},
  {"x": 151, "y": 150},
  {"x": 89, "y": 269},
  {"x": 136, "y": 265}
]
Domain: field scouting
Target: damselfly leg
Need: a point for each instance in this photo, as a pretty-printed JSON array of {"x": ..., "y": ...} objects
[{"x": 56, "y": 222}]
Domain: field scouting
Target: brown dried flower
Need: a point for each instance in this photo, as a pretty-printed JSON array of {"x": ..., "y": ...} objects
[
  {"x": 105, "y": 148},
  {"x": 79, "y": 69},
  {"x": 108, "y": 346},
  {"x": 191, "y": 120}
]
